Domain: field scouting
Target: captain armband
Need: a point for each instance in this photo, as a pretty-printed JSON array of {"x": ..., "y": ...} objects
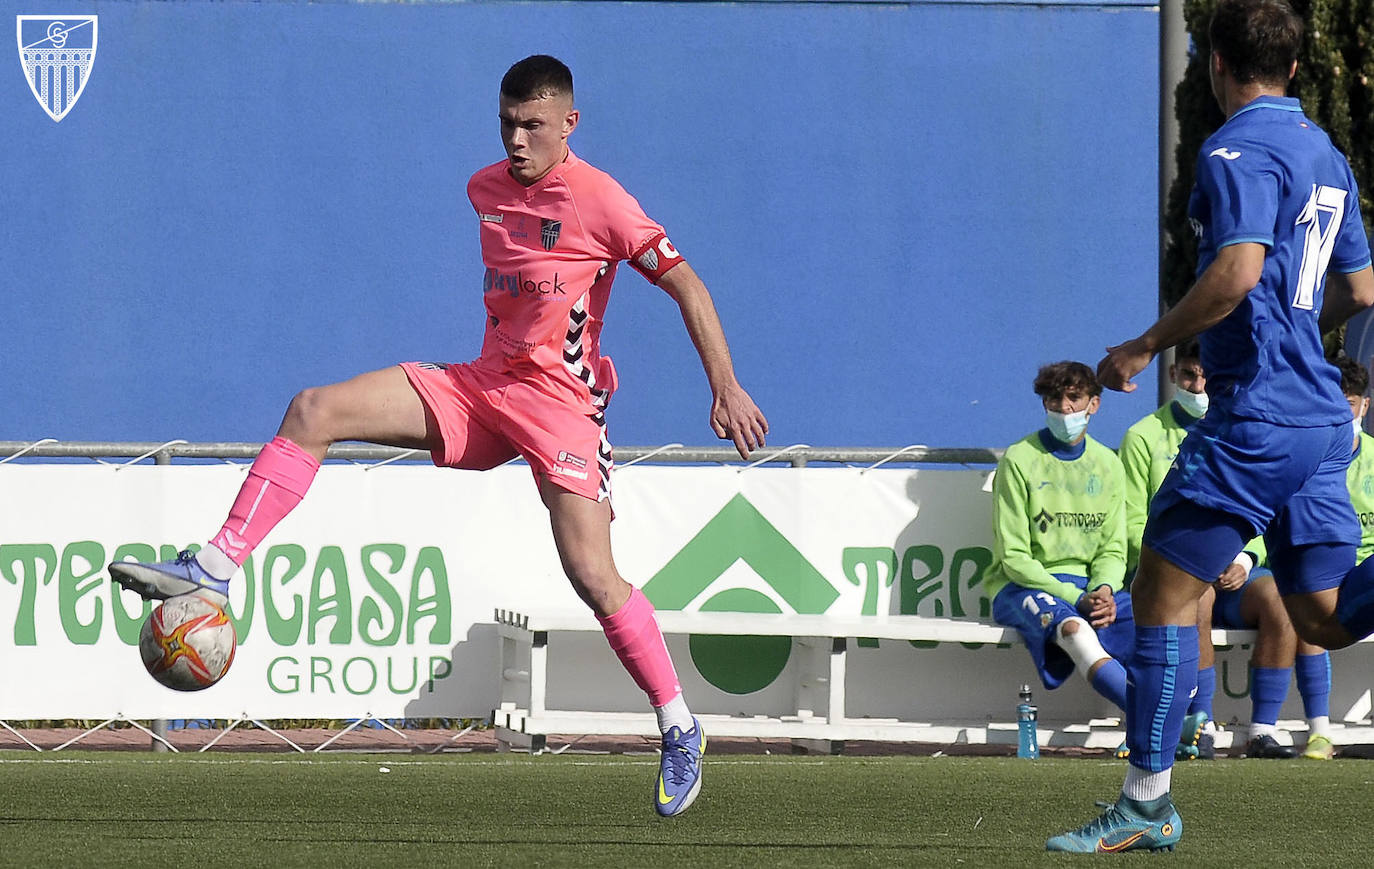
[{"x": 655, "y": 257}]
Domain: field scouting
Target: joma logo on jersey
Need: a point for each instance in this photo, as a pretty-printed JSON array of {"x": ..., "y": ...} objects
[{"x": 517, "y": 283}]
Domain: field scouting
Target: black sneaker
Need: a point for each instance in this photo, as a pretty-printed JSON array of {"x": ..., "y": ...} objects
[
  {"x": 1206, "y": 747},
  {"x": 1269, "y": 747}
]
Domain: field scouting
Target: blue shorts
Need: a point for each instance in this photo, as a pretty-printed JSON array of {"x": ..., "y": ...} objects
[
  {"x": 1226, "y": 608},
  {"x": 1235, "y": 478},
  {"x": 1036, "y": 615}
]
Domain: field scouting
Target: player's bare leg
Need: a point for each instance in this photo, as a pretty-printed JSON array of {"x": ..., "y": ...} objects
[
  {"x": 379, "y": 407},
  {"x": 1314, "y": 618},
  {"x": 582, "y": 533}
]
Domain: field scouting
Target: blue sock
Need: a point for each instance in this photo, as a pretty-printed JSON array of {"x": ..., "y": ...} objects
[
  {"x": 1268, "y": 689},
  {"x": 1355, "y": 604},
  {"x": 1110, "y": 682},
  {"x": 1163, "y": 676},
  {"x": 1314, "y": 684},
  {"x": 1206, "y": 690}
]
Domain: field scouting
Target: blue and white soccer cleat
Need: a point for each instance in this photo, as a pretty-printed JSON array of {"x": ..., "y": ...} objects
[
  {"x": 1122, "y": 828},
  {"x": 679, "y": 771},
  {"x": 164, "y": 579}
]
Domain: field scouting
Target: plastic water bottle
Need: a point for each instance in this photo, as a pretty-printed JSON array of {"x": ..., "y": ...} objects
[{"x": 1027, "y": 742}]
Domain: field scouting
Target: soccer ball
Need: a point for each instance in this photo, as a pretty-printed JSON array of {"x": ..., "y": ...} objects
[{"x": 187, "y": 643}]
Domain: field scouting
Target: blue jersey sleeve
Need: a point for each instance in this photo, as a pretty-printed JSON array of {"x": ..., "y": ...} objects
[
  {"x": 1351, "y": 252},
  {"x": 1242, "y": 195}
]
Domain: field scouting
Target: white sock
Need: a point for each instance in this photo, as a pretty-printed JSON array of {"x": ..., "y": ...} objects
[
  {"x": 215, "y": 562},
  {"x": 1319, "y": 726},
  {"x": 674, "y": 713},
  {"x": 1257, "y": 730},
  {"x": 1142, "y": 785}
]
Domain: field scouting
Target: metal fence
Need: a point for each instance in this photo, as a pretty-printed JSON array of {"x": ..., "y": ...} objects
[{"x": 796, "y": 455}]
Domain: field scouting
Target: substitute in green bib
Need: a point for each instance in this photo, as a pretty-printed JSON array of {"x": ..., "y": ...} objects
[{"x": 1059, "y": 540}]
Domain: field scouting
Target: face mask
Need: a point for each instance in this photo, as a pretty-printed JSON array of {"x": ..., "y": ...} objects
[
  {"x": 1067, "y": 427},
  {"x": 1358, "y": 425},
  {"x": 1193, "y": 403}
]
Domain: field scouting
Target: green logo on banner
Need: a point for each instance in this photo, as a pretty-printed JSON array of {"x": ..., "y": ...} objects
[{"x": 739, "y": 532}]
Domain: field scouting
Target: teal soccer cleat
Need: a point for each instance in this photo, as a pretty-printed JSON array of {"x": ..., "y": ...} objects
[
  {"x": 164, "y": 579},
  {"x": 1122, "y": 827},
  {"x": 1190, "y": 741},
  {"x": 679, "y": 773}
]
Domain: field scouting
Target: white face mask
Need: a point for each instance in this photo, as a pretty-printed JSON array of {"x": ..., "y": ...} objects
[
  {"x": 1067, "y": 427},
  {"x": 1193, "y": 403},
  {"x": 1358, "y": 425}
]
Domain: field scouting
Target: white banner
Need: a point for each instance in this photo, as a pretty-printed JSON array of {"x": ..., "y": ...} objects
[{"x": 376, "y": 595}]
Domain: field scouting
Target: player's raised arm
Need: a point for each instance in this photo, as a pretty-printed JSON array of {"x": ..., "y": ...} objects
[
  {"x": 1218, "y": 291},
  {"x": 734, "y": 416}
]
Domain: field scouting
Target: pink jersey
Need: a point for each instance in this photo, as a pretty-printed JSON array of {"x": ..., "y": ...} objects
[{"x": 550, "y": 253}]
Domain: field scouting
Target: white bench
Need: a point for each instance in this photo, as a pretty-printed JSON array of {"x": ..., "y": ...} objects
[{"x": 819, "y": 722}]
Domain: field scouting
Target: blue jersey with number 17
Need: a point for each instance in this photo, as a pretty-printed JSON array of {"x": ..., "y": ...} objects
[{"x": 1270, "y": 175}]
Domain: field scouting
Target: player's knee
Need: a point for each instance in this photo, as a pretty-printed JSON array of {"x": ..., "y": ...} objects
[
  {"x": 603, "y": 592},
  {"x": 1274, "y": 620},
  {"x": 1077, "y": 638},
  {"x": 308, "y": 416},
  {"x": 1325, "y": 632}
]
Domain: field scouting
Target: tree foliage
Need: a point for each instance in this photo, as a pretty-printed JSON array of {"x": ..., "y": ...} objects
[{"x": 1335, "y": 83}]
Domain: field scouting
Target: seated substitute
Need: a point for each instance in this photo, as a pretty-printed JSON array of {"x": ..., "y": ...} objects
[
  {"x": 1059, "y": 540},
  {"x": 1255, "y": 602}
]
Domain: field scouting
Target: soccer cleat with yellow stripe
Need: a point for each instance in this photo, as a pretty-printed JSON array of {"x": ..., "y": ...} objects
[
  {"x": 1123, "y": 827},
  {"x": 1319, "y": 747},
  {"x": 679, "y": 770}
]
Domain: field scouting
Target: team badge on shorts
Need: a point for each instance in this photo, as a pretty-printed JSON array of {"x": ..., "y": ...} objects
[
  {"x": 548, "y": 232},
  {"x": 57, "y": 53}
]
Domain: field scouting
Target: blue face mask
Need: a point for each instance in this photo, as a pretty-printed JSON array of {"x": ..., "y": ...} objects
[
  {"x": 1193, "y": 403},
  {"x": 1067, "y": 427}
]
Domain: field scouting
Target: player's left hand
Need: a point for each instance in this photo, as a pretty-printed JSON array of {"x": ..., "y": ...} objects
[
  {"x": 1123, "y": 362},
  {"x": 735, "y": 417}
]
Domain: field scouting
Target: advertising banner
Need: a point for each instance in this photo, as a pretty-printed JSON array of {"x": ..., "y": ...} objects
[{"x": 376, "y": 596}]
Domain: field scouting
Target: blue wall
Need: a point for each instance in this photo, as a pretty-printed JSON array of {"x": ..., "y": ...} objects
[{"x": 901, "y": 210}]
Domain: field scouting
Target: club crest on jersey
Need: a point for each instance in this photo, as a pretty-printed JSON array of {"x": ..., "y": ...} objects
[
  {"x": 57, "y": 53},
  {"x": 548, "y": 232}
]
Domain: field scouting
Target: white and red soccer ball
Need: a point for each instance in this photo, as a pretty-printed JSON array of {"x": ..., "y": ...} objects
[{"x": 187, "y": 643}]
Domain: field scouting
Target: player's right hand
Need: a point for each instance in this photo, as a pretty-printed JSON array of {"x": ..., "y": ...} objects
[
  {"x": 735, "y": 417},
  {"x": 1122, "y": 363}
]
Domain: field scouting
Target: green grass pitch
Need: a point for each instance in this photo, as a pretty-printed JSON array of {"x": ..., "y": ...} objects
[{"x": 125, "y": 809}]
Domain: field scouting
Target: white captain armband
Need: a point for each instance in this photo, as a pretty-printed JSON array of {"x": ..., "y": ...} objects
[{"x": 655, "y": 257}]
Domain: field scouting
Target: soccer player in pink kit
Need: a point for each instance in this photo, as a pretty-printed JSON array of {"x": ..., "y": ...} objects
[{"x": 553, "y": 229}]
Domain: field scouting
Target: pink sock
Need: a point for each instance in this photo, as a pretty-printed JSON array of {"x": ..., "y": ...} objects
[
  {"x": 278, "y": 480},
  {"x": 634, "y": 636}
]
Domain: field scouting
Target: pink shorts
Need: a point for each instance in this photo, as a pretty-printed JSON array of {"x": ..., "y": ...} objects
[{"x": 486, "y": 419}]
